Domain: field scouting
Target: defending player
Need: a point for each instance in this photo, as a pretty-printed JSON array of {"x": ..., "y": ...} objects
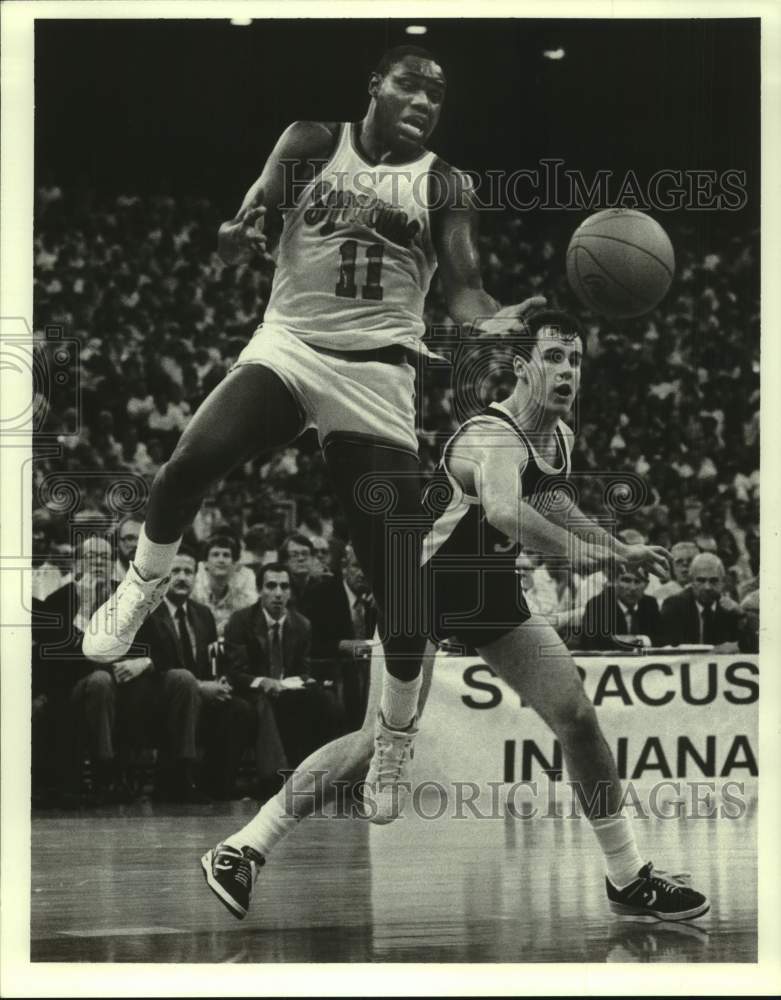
[
  {"x": 364, "y": 214},
  {"x": 499, "y": 478}
]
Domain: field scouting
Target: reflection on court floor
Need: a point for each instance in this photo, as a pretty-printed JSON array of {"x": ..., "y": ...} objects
[{"x": 125, "y": 886}]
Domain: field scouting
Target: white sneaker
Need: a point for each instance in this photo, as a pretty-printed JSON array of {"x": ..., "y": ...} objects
[
  {"x": 388, "y": 783},
  {"x": 113, "y": 627}
]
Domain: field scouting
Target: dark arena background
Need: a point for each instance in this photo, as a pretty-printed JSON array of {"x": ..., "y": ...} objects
[{"x": 147, "y": 135}]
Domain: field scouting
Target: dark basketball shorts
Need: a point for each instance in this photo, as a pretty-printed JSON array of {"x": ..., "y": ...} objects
[{"x": 473, "y": 603}]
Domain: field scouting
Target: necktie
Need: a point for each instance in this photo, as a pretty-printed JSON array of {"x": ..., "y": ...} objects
[
  {"x": 275, "y": 662},
  {"x": 358, "y": 615},
  {"x": 708, "y": 621},
  {"x": 184, "y": 638},
  {"x": 630, "y": 621}
]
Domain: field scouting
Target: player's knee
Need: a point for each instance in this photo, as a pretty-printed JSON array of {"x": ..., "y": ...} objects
[{"x": 181, "y": 477}]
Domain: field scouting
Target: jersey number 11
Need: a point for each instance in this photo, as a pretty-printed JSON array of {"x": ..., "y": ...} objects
[{"x": 346, "y": 287}]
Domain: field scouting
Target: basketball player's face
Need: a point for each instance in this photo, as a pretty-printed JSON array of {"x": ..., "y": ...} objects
[
  {"x": 409, "y": 101},
  {"x": 553, "y": 371}
]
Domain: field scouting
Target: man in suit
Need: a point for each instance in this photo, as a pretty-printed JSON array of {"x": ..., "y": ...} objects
[
  {"x": 126, "y": 544},
  {"x": 344, "y": 617},
  {"x": 748, "y": 639},
  {"x": 297, "y": 555},
  {"x": 621, "y": 610},
  {"x": 701, "y": 613},
  {"x": 268, "y": 647},
  {"x": 188, "y": 698},
  {"x": 682, "y": 553},
  {"x": 78, "y": 699}
]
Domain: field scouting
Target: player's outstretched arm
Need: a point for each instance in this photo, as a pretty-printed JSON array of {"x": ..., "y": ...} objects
[
  {"x": 289, "y": 167},
  {"x": 488, "y": 461},
  {"x": 454, "y": 229}
]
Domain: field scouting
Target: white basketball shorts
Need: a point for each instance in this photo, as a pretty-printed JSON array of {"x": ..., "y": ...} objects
[{"x": 337, "y": 394}]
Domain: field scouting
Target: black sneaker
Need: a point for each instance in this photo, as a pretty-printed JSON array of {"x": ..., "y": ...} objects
[
  {"x": 657, "y": 896},
  {"x": 230, "y": 874}
]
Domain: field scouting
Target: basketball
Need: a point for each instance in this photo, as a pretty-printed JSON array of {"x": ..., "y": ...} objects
[{"x": 620, "y": 263}]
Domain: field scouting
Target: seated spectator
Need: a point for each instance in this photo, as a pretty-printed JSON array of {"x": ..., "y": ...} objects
[
  {"x": 548, "y": 592},
  {"x": 750, "y": 581},
  {"x": 207, "y": 520},
  {"x": 221, "y": 583},
  {"x": 699, "y": 614},
  {"x": 748, "y": 638},
  {"x": 323, "y": 559},
  {"x": 297, "y": 553},
  {"x": 167, "y": 420},
  {"x": 727, "y": 550},
  {"x": 46, "y": 576},
  {"x": 344, "y": 617},
  {"x": 134, "y": 455},
  {"x": 188, "y": 698},
  {"x": 103, "y": 438},
  {"x": 567, "y": 607},
  {"x": 78, "y": 696},
  {"x": 311, "y": 526},
  {"x": 268, "y": 646},
  {"x": 141, "y": 402},
  {"x": 167, "y": 417},
  {"x": 128, "y": 531},
  {"x": 705, "y": 537},
  {"x": 258, "y": 547},
  {"x": 156, "y": 452},
  {"x": 621, "y": 613},
  {"x": 682, "y": 553}
]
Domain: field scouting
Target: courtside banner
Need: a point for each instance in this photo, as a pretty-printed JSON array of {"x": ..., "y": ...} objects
[{"x": 668, "y": 719}]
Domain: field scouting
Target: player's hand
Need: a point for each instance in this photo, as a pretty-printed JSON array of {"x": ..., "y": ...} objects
[
  {"x": 654, "y": 558},
  {"x": 244, "y": 236},
  {"x": 509, "y": 321},
  {"x": 128, "y": 670},
  {"x": 588, "y": 559},
  {"x": 249, "y": 232}
]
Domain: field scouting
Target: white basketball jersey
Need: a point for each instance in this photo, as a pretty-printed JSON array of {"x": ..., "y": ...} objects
[{"x": 355, "y": 258}]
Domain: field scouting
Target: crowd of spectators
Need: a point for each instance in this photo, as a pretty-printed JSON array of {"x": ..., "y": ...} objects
[{"x": 152, "y": 320}]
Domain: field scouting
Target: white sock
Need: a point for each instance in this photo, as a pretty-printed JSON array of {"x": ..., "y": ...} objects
[
  {"x": 617, "y": 840},
  {"x": 153, "y": 559},
  {"x": 399, "y": 702},
  {"x": 264, "y": 832}
]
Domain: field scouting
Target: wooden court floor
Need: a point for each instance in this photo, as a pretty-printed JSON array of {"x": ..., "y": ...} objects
[{"x": 125, "y": 885}]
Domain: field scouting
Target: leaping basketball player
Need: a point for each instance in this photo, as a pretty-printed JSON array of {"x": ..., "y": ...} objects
[
  {"x": 363, "y": 214},
  {"x": 500, "y": 478}
]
